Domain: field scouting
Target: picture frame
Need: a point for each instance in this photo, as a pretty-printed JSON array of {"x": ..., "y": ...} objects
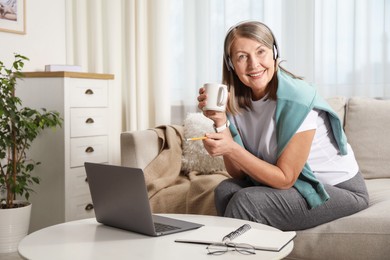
[{"x": 13, "y": 16}]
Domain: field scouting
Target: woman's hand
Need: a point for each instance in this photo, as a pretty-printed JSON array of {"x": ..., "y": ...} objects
[
  {"x": 218, "y": 117},
  {"x": 218, "y": 144},
  {"x": 202, "y": 98},
  {"x": 222, "y": 144}
]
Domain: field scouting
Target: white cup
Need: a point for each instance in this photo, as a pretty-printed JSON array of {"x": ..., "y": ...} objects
[{"x": 217, "y": 95}]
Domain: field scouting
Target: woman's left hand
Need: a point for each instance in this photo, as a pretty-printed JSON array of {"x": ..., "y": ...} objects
[{"x": 218, "y": 144}]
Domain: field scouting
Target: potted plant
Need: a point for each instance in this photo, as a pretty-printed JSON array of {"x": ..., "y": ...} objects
[{"x": 19, "y": 126}]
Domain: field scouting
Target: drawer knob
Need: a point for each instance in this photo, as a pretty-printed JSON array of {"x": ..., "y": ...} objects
[
  {"x": 89, "y": 92},
  {"x": 89, "y": 207},
  {"x": 89, "y": 121},
  {"x": 89, "y": 149}
]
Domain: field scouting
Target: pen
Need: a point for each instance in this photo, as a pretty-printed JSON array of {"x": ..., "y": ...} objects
[{"x": 196, "y": 138}]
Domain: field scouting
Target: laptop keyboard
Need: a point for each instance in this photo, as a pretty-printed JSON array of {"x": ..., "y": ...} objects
[{"x": 163, "y": 227}]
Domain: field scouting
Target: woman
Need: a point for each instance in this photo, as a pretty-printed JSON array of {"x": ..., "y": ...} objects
[{"x": 283, "y": 145}]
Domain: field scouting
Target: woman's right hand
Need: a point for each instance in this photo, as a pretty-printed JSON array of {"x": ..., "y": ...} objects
[
  {"x": 218, "y": 117},
  {"x": 202, "y": 98}
]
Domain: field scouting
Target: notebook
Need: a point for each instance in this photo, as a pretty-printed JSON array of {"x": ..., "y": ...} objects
[
  {"x": 270, "y": 240},
  {"x": 120, "y": 200}
]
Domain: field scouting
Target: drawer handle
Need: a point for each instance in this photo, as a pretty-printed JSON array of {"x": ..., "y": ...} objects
[
  {"x": 89, "y": 207},
  {"x": 89, "y": 92},
  {"x": 89, "y": 149},
  {"x": 86, "y": 179},
  {"x": 89, "y": 121}
]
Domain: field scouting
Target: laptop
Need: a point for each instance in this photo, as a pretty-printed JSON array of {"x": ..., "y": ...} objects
[{"x": 120, "y": 200}]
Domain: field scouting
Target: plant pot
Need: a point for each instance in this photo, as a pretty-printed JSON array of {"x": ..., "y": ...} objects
[{"x": 14, "y": 224}]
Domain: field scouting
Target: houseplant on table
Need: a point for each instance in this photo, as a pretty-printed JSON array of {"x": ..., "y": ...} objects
[{"x": 19, "y": 126}]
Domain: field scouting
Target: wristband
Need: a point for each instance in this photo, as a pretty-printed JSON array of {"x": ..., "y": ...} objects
[{"x": 221, "y": 128}]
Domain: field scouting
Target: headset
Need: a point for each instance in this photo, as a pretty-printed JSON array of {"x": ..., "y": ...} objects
[{"x": 226, "y": 57}]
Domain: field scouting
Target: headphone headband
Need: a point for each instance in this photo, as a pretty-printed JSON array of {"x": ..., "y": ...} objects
[{"x": 226, "y": 57}]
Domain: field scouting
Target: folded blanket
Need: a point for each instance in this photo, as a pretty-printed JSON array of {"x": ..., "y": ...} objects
[
  {"x": 159, "y": 174},
  {"x": 200, "y": 196},
  {"x": 170, "y": 191}
]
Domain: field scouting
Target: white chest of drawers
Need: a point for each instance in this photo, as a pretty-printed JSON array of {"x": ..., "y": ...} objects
[{"x": 89, "y": 133}]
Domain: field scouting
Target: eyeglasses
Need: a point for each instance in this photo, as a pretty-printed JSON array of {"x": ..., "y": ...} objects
[{"x": 220, "y": 249}]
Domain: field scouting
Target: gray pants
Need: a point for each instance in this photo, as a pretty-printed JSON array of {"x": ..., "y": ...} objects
[{"x": 287, "y": 209}]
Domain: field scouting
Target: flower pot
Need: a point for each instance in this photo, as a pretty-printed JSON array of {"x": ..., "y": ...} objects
[{"x": 14, "y": 224}]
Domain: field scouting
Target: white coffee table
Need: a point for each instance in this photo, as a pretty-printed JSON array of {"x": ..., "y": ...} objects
[{"x": 87, "y": 239}]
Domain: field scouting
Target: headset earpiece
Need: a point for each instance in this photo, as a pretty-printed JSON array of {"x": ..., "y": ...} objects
[
  {"x": 276, "y": 54},
  {"x": 230, "y": 64}
]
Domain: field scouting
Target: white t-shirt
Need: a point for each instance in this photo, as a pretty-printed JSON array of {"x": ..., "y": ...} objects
[{"x": 257, "y": 128}]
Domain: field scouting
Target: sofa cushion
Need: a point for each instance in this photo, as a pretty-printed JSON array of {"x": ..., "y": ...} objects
[
  {"x": 134, "y": 152},
  {"x": 195, "y": 157},
  {"x": 367, "y": 126},
  {"x": 364, "y": 235},
  {"x": 338, "y": 105}
]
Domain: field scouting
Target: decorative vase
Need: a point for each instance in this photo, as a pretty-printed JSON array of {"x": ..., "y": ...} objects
[{"x": 14, "y": 225}]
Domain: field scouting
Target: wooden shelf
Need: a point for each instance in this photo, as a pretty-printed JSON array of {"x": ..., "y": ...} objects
[{"x": 67, "y": 74}]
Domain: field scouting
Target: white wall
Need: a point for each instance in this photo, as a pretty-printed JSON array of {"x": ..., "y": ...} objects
[{"x": 44, "y": 41}]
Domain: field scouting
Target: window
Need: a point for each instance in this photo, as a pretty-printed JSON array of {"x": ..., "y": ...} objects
[{"x": 343, "y": 47}]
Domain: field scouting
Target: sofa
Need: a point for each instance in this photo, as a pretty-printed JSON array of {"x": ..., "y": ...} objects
[{"x": 181, "y": 178}]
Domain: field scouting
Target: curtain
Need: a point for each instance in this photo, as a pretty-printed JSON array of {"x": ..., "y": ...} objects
[
  {"x": 342, "y": 47},
  {"x": 352, "y": 47},
  {"x": 126, "y": 38},
  {"x": 162, "y": 51}
]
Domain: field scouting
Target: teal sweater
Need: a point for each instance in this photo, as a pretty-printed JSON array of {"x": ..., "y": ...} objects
[{"x": 295, "y": 99}]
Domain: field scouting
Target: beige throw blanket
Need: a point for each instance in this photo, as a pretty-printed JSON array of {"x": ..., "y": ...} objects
[
  {"x": 172, "y": 192},
  {"x": 165, "y": 168}
]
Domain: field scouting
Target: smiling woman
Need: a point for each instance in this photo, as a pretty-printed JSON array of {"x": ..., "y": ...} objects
[
  {"x": 254, "y": 64},
  {"x": 285, "y": 148}
]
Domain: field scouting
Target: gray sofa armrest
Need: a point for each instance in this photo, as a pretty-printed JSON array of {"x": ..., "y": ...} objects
[{"x": 139, "y": 148}]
